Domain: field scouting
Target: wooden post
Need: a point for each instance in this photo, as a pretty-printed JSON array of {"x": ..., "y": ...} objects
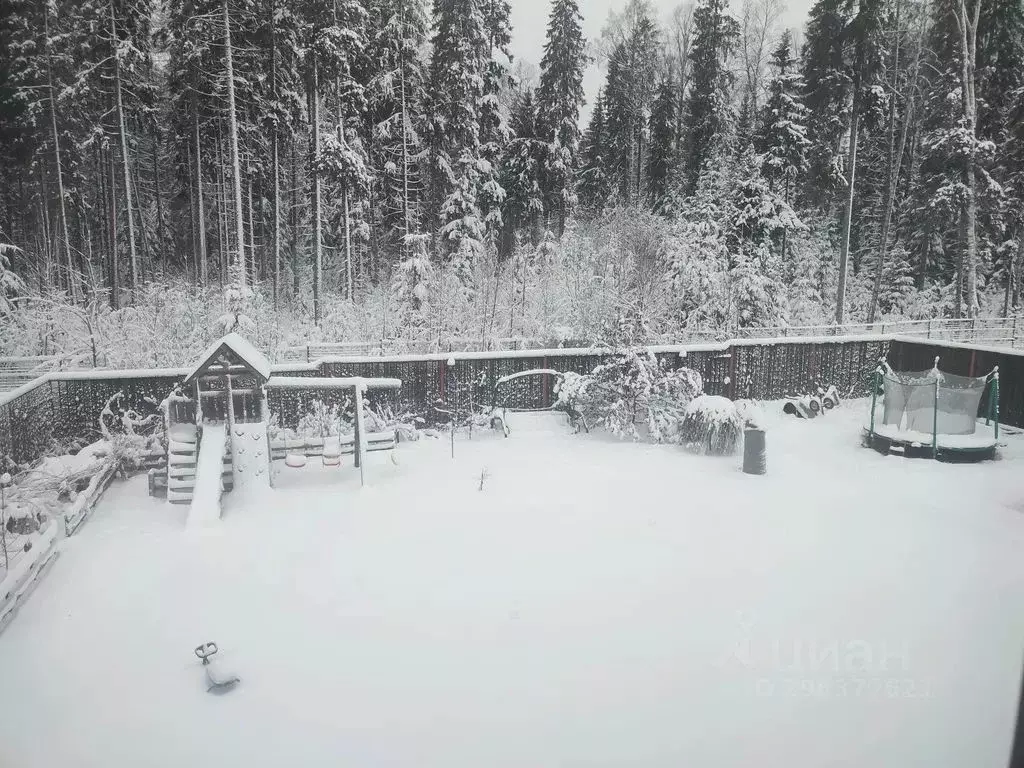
[
  {"x": 265, "y": 418},
  {"x": 547, "y": 391},
  {"x": 732, "y": 373},
  {"x": 231, "y": 431},
  {"x": 199, "y": 404},
  {"x": 264, "y": 406},
  {"x": 358, "y": 446},
  {"x": 231, "y": 403}
]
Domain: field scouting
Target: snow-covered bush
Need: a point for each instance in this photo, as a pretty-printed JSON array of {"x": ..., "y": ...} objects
[
  {"x": 712, "y": 425},
  {"x": 668, "y": 401},
  {"x": 23, "y": 518},
  {"x": 633, "y": 388},
  {"x": 571, "y": 388},
  {"x": 383, "y": 418},
  {"x": 618, "y": 389},
  {"x": 238, "y": 297},
  {"x": 129, "y": 436},
  {"x": 322, "y": 421}
]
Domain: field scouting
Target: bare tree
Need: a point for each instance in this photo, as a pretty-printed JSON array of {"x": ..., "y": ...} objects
[
  {"x": 758, "y": 22},
  {"x": 236, "y": 171},
  {"x": 967, "y": 26},
  {"x": 122, "y": 124},
  {"x": 73, "y": 287},
  {"x": 896, "y": 154},
  {"x": 276, "y": 159},
  {"x": 315, "y": 212},
  {"x": 200, "y": 209},
  {"x": 680, "y": 35}
]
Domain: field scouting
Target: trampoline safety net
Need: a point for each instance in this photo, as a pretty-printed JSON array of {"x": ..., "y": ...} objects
[{"x": 912, "y": 399}]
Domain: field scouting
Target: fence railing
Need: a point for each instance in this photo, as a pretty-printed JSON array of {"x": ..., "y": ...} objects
[
  {"x": 985, "y": 331},
  {"x": 15, "y": 371},
  {"x": 314, "y": 351},
  {"x": 993, "y": 332}
]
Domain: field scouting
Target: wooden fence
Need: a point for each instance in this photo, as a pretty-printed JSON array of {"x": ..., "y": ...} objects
[
  {"x": 914, "y": 355},
  {"x": 60, "y": 409}
]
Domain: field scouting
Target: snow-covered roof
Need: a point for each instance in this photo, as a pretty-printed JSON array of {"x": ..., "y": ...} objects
[{"x": 242, "y": 349}]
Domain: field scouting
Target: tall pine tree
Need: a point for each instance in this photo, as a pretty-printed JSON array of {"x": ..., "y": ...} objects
[
  {"x": 559, "y": 98},
  {"x": 708, "y": 107}
]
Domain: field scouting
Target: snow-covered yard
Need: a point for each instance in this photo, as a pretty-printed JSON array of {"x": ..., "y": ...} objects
[{"x": 596, "y": 604}]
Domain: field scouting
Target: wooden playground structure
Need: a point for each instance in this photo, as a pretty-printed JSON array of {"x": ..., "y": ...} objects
[{"x": 226, "y": 397}]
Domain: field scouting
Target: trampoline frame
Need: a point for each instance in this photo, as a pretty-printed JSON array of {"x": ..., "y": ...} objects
[{"x": 912, "y": 448}]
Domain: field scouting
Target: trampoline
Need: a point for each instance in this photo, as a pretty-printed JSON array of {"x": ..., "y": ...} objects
[{"x": 933, "y": 414}]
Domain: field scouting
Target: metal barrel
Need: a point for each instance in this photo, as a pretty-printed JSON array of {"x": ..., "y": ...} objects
[{"x": 754, "y": 462}]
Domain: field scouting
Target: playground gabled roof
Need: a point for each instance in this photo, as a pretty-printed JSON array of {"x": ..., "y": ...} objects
[{"x": 231, "y": 349}]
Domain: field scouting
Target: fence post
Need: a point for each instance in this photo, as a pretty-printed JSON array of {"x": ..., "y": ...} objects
[
  {"x": 1013, "y": 337},
  {"x": 929, "y": 327},
  {"x": 547, "y": 387}
]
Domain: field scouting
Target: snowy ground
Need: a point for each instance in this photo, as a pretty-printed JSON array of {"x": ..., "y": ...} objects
[{"x": 597, "y": 604}]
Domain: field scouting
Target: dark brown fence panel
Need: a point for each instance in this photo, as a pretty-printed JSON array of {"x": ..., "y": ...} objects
[
  {"x": 69, "y": 408},
  {"x": 422, "y": 380},
  {"x": 27, "y": 425},
  {"x": 770, "y": 371},
  {"x": 969, "y": 361},
  {"x": 78, "y": 402}
]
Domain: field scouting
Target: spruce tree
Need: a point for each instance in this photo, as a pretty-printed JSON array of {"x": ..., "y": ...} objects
[
  {"x": 559, "y": 98},
  {"x": 457, "y": 88},
  {"x": 827, "y": 83},
  {"x": 593, "y": 180},
  {"x": 619, "y": 130},
  {"x": 708, "y": 107},
  {"x": 782, "y": 136},
  {"x": 521, "y": 173},
  {"x": 494, "y": 129},
  {"x": 662, "y": 157},
  {"x": 629, "y": 90},
  {"x": 395, "y": 78}
]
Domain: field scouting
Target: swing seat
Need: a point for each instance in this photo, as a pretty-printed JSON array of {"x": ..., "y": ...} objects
[
  {"x": 295, "y": 460},
  {"x": 332, "y": 452}
]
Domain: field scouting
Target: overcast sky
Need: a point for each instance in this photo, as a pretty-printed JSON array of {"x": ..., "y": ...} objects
[{"x": 530, "y": 17}]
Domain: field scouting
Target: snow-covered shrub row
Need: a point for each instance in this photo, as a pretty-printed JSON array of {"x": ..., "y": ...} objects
[
  {"x": 666, "y": 277},
  {"x": 712, "y": 425}
]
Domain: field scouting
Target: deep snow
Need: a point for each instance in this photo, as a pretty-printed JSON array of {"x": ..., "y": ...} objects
[{"x": 597, "y": 604}]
